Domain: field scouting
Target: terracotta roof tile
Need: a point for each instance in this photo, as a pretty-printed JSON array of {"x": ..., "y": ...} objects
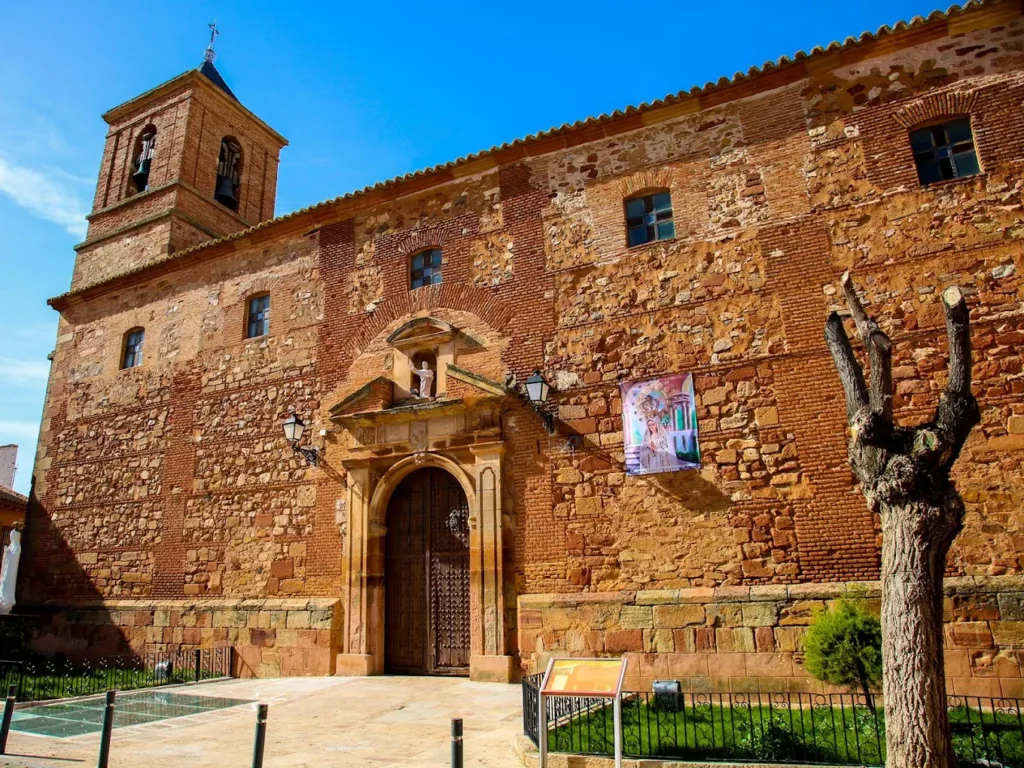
[{"x": 7, "y": 496}]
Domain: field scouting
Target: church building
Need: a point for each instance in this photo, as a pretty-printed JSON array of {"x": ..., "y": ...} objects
[{"x": 568, "y": 396}]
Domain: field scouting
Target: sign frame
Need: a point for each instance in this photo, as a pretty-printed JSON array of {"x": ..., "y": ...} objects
[{"x": 616, "y": 696}]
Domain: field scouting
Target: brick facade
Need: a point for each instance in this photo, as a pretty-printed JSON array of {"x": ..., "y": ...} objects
[{"x": 173, "y": 482}]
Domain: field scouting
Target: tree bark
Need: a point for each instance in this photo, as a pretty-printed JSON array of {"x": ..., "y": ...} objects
[
  {"x": 915, "y": 540},
  {"x": 904, "y": 475}
]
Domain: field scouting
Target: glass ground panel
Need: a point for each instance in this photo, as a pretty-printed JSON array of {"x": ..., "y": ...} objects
[{"x": 76, "y": 718}]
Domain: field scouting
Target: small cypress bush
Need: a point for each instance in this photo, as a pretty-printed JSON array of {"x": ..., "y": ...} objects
[{"x": 844, "y": 647}]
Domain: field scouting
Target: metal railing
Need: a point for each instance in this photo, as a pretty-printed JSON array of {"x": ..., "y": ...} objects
[
  {"x": 838, "y": 729},
  {"x": 59, "y": 678}
]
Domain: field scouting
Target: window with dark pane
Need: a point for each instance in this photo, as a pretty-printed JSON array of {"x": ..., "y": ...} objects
[
  {"x": 944, "y": 151},
  {"x": 133, "y": 348},
  {"x": 258, "y": 323},
  {"x": 425, "y": 268},
  {"x": 649, "y": 218}
]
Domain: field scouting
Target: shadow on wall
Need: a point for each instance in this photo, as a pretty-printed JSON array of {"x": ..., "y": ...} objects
[
  {"x": 687, "y": 486},
  {"x": 691, "y": 489},
  {"x": 58, "y": 598}
]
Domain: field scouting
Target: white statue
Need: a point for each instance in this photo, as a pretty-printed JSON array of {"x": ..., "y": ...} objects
[
  {"x": 426, "y": 377},
  {"x": 9, "y": 573}
]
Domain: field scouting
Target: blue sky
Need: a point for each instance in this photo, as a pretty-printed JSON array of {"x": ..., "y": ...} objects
[{"x": 363, "y": 92}]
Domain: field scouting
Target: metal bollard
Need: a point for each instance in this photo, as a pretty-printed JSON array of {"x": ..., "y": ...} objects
[
  {"x": 198, "y": 655},
  {"x": 261, "y": 736},
  {"x": 108, "y": 726},
  {"x": 456, "y": 742},
  {"x": 5, "y": 727}
]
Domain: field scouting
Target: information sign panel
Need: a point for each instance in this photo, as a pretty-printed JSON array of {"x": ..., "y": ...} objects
[
  {"x": 584, "y": 677},
  {"x": 588, "y": 679}
]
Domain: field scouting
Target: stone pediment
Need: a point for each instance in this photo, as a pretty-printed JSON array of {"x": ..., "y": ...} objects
[
  {"x": 470, "y": 414},
  {"x": 373, "y": 402},
  {"x": 375, "y": 395},
  {"x": 466, "y": 383},
  {"x": 421, "y": 331}
]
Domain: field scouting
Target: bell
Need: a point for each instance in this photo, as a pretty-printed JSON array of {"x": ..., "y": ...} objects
[
  {"x": 225, "y": 193},
  {"x": 141, "y": 177}
]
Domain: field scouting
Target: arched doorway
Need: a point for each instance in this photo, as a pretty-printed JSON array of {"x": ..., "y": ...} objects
[{"x": 426, "y": 576}]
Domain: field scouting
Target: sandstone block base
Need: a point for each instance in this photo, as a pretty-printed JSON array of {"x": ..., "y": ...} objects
[
  {"x": 271, "y": 637},
  {"x": 491, "y": 669},
  {"x": 355, "y": 665},
  {"x": 750, "y": 639}
]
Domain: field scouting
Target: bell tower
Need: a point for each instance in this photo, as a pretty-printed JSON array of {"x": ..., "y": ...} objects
[{"x": 184, "y": 163}]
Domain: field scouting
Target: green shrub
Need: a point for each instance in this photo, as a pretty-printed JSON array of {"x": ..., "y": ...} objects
[{"x": 844, "y": 647}]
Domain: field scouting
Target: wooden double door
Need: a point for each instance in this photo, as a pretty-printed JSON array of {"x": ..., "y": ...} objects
[{"x": 426, "y": 576}]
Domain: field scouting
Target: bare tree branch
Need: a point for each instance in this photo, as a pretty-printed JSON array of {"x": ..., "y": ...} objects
[
  {"x": 865, "y": 325},
  {"x": 850, "y": 373},
  {"x": 958, "y": 409},
  {"x": 958, "y": 319},
  {"x": 880, "y": 351}
]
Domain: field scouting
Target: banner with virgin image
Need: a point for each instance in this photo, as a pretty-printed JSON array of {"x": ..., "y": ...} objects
[{"x": 659, "y": 423}]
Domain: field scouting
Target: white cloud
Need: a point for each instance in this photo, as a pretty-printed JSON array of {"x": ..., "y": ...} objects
[
  {"x": 51, "y": 195},
  {"x": 23, "y": 372}
]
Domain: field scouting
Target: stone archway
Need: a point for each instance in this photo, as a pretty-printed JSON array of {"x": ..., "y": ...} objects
[
  {"x": 370, "y": 489},
  {"x": 426, "y": 576}
]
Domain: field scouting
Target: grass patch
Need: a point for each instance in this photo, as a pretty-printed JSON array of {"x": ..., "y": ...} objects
[
  {"x": 849, "y": 735},
  {"x": 42, "y": 686}
]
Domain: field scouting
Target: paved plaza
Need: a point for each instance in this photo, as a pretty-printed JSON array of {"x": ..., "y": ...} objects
[{"x": 367, "y": 721}]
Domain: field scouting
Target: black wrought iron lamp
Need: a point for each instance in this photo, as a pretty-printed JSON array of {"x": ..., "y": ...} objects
[
  {"x": 294, "y": 427},
  {"x": 537, "y": 389}
]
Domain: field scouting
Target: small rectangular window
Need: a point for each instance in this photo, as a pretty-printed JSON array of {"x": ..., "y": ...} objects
[
  {"x": 259, "y": 317},
  {"x": 133, "y": 349},
  {"x": 649, "y": 218},
  {"x": 945, "y": 151},
  {"x": 425, "y": 269}
]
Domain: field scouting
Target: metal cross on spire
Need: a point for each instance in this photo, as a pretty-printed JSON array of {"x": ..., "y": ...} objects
[{"x": 209, "y": 54}]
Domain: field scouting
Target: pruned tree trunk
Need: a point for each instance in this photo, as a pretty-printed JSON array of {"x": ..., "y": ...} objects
[{"x": 904, "y": 474}]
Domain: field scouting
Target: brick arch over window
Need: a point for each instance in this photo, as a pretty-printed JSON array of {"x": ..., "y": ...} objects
[
  {"x": 423, "y": 239},
  {"x": 492, "y": 310},
  {"x": 645, "y": 181},
  {"x": 236, "y": 305},
  {"x": 262, "y": 284},
  {"x": 934, "y": 108}
]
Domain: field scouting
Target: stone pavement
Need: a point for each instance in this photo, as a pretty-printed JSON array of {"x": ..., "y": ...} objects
[{"x": 371, "y": 722}]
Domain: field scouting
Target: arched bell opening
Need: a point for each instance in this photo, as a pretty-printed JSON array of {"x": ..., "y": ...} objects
[{"x": 229, "y": 173}]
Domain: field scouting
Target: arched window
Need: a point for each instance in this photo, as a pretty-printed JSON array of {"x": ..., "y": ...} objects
[
  {"x": 131, "y": 354},
  {"x": 229, "y": 173},
  {"x": 425, "y": 268},
  {"x": 649, "y": 218},
  {"x": 944, "y": 151},
  {"x": 257, "y": 316},
  {"x": 142, "y": 159}
]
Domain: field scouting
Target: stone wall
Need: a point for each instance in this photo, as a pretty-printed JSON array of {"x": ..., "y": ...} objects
[
  {"x": 748, "y": 639},
  {"x": 271, "y": 637}
]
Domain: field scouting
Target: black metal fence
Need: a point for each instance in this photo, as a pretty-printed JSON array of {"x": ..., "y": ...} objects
[
  {"x": 58, "y": 678},
  {"x": 839, "y": 729}
]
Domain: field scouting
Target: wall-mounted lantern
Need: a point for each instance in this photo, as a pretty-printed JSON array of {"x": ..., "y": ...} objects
[
  {"x": 294, "y": 427},
  {"x": 537, "y": 389}
]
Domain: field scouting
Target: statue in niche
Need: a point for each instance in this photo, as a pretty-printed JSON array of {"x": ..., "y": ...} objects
[
  {"x": 426, "y": 378},
  {"x": 9, "y": 573}
]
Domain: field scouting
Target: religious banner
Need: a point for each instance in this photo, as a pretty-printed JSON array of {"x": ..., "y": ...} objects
[{"x": 659, "y": 423}]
